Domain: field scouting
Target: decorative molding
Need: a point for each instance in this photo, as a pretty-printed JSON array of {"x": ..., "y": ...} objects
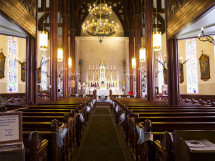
[
  {"x": 181, "y": 13},
  {"x": 30, "y": 6},
  {"x": 16, "y": 12}
]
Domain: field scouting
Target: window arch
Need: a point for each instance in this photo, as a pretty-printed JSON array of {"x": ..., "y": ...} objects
[
  {"x": 12, "y": 72},
  {"x": 192, "y": 72}
]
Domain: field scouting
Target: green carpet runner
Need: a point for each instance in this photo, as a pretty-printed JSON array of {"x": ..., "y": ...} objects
[{"x": 101, "y": 142}]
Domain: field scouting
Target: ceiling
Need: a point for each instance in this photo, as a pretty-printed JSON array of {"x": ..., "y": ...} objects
[
  {"x": 8, "y": 28},
  {"x": 207, "y": 22}
]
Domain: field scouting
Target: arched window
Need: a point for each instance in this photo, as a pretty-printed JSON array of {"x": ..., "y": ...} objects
[
  {"x": 12, "y": 72},
  {"x": 160, "y": 74},
  {"x": 192, "y": 74}
]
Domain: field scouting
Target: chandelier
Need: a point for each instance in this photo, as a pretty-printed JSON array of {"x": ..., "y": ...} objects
[{"x": 100, "y": 23}]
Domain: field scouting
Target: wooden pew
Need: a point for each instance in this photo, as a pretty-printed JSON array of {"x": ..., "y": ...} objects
[{"x": 187, "y": 115}]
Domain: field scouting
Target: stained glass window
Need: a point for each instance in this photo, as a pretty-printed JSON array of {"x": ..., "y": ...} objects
[
  {"x": 160, "y": 74},
  {"x": 192, "y": 74},
  {"x": 12, "y": 73},
  {"x": 44, "y": 73}
]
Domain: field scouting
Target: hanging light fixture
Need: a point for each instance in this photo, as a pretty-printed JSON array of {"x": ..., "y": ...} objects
[
  {"x": 156, "y": 37},
  {"x": 157, "y": 41},
  {"x": 100, "y": 24},
  {"x": 142, "y": 55},
  {"x": 133, "y": 62},
  {"x": 43, "y": 40},
  {"x": 69, "y": 62},
  {"x": 60, "y": 54}
]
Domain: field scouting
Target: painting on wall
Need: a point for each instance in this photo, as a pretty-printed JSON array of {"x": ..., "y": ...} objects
[
  {"x": 23, "y": 71},
  {"x": 39, "y": 75},
  {"x": 165, "y": 75},
  {"x": 204, "y": 67},
  {"x": 181, "y": 72},
  {"x": 2, "y": 64}
]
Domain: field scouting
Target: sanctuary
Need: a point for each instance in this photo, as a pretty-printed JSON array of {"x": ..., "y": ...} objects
[{"x": 102, "y": 78}]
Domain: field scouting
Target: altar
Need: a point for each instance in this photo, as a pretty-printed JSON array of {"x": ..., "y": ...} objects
[
  {"x": 103, "y": 92},
  {"x": 103, "y": 78}
]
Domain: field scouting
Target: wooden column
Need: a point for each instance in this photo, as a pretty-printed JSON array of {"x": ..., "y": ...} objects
[
  {"x": 131, "y": 44},
  {"x": 148, "y": 9},
  {"x": 31, "y": 71},
  {"x": 72, "y": 42},
  {"x": 138, "y": 33},
  {"x": 173, "y": 72},
  {"x": 65, "y": 49},
  {"x": 53, "y": 48},
  {"x": 28, "y": 72},
  {"x": 131, "y": 55}
]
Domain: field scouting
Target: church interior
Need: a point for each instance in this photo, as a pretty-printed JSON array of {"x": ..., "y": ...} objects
[{"x": 107, "y": 80}]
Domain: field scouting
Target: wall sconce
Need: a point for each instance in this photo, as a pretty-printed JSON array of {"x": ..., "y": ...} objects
[
  {"x": 60, "y": 54},
  {"x": 205, "y": 38}
]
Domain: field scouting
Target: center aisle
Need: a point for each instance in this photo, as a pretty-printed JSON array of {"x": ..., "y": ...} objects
[{"x": 101, "y": 142}]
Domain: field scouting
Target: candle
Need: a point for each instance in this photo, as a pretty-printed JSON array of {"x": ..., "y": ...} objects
[
  {"x": 89, "y": 67},
  {"x": 114, "y": 67},
  {"x": 93, "y": 67},
  {"x": 111, "y": 67}
]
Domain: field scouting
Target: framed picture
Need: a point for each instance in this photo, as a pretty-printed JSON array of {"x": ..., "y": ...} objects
[
  {"x": 181, "y": 72},
  {"x": 165, "y": 75},
  {"x": 2, "y": 64},
  {"x": 204, "y": 67},
  {"x": 39, "y": 75},
  {"x": 23, "y": 71}
]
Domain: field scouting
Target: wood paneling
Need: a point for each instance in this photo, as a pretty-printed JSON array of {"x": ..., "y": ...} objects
[
  {"x": 18, "y": 14},
  {"x": 185, "y": 15}
]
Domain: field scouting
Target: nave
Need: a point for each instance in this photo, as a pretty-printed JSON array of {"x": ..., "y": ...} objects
[{"x": 103, "y": 139}]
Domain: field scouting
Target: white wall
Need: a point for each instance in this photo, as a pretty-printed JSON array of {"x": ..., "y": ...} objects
[
  {"x": 205, "y": 87},
  {"x": 113, "y": 50},
  {"x": 21, "y": 57}
]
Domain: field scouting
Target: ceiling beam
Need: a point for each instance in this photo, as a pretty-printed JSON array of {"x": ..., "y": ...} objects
[
  {"x": 154, "y": 11},
  {"x": 154, "y": 25}
]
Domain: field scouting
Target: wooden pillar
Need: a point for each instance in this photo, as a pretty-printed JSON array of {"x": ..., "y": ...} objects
[
  {"x": 173, "y": 72},
  {"x": 131, "y": 55},
  {"x": 72, "y": 43},
  {"x": 65, "y": 49},
  {"x": 138, "y": 33},
  {"x": 53, "y": 48},
  {"x": 30, "y": 72},
  {"x": 148, "y": 10},
  {"x": 131, "y": 43}
]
